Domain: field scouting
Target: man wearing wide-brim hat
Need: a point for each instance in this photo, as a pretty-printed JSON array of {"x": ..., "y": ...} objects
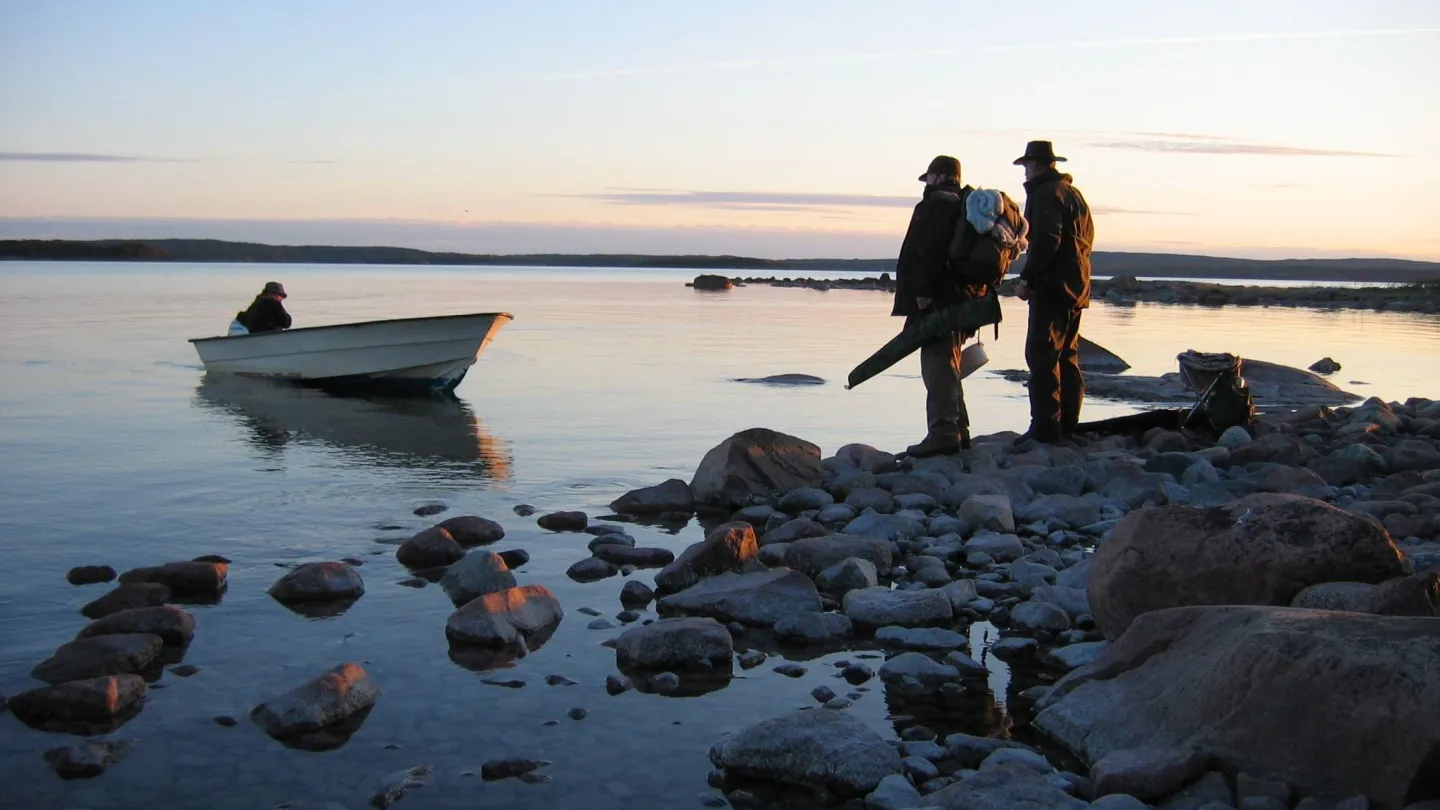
[{"x": 1056, "y": 282}]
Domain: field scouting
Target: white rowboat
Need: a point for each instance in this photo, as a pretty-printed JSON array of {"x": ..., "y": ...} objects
[{"x": 404, "y": 354}]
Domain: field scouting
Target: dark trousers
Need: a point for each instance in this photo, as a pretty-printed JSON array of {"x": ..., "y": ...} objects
[
  {"x": 945, "y": 414},
  {"x": 1052, "y": 351}
]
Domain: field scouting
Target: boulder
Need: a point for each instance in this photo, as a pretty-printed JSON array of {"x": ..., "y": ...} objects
[
  {"x": 960, "y": 593},
  {"x": 1072, "y": 600},
  {"x": 797, "y": 529},
  {"x": 432, "y": 548},
  {"x": 1001, "y": 547},
  {"x": 127, "y": 597},
  {"x": 1147, "y": 773},
  {"x": 755, "y": 466},
  {"x": 675, "y": 644},
  {"x": 88, "y": 759},
  {"x": 93, "y": 700},
  {"x": 815, "y": 554},
  {"x": 1034, "y": 617},
  {"x": 639, "y": 557},
  {"x": 864, "y": 457},
  {"x": 921, "y": 638},
  {"x": 990, "y": 512},
  {"x": 671, "y": 496},
  {"x": 873, "y": 498},
  {"x": 819, "y": 748},
  {"x": 1339, "y": 471},
  {"x": 709, "y": 282},
  {"x": 1074, "y": 655},
  {"x": 894, "y": 793},
  {"x": 320, "y": 581},
  {"x": 1014, "y": 786},
  {"x": 115, "y": 654},
  {"x": 505, "y": 618},
  {"x": 1263, "y": 689},
  {"x": 805, "y": 499},
  {"x": 847, "y": 575},
  {"x": 172, "y": 624},
  {"x": 1261, "y": 550},
  {"x": 813, "y": 627},
  {"x": 328, "y": 700},
  {"x": 90, "y": 574},
  {"x": 730, "y": 547},
  {"x": 759, "y": 599},
  {"x": 1068, "y": 480},
  {"x": 591, "y": 569},
  {"x": 879, "y": 607},
  {"x": 916, "y": 673},
  {"x": 187, "y": 578},
  {"x": 883, "y": 527},
  {"x": 1071, "y": 510},
  {"x": 1347, "y": 596},
  {"x": 1234, "y": 436},
  {"x": 1416, "y": 595},
  {"x": 563, "y": 521},
  {"x": 476, "y": 574},
  {"x": 470, "y": 530},
  {"x": 1412, "y": 454},
  {"x": 515, "y": 557}
]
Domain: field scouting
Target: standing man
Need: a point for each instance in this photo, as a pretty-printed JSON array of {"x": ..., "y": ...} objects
[
  {"x": 923, "y": 285},
  {"x": 1056, "y": 282}
]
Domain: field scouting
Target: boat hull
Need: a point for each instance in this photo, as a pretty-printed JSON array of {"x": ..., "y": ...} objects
[{"x": 407, "y": 355}]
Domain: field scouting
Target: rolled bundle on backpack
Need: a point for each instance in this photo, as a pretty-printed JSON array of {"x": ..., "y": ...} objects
[{"x": 993, "y": 213}]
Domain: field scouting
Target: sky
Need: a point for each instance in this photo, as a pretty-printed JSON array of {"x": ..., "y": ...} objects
[{"x": 1266, "y": 128}]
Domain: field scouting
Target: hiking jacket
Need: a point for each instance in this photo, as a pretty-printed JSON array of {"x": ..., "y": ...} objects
[
  {"x": 266, "y": 314},
  {"x": 1057, "y": 266},
  {"x": 922, "y": 271}
]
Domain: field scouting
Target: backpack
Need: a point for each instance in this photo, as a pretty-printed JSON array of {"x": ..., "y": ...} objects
[{"x": 988, "y": 238}]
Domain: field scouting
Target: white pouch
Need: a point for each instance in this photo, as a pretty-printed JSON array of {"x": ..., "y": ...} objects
[
  {"x": 236, "y": 329},
  {"x": 972, "y": 357}
]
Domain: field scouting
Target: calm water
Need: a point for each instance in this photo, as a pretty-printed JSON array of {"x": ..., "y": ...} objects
[{"x": 118, "y": 451}]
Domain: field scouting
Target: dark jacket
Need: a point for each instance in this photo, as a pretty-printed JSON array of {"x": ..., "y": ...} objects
[
  {"x": 921, "y": 270},
  {"x": 1057, "y": 266},
  {"x": 266, "y": 314}
]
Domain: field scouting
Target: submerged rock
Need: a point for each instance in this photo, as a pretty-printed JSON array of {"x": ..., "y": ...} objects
[
  {"x": 318, "y": 582},
  {"x": 89, "y": 700},
  {"x": 1260, "y": 550},
  {"x": 755, "y": 466},
  {"x": 127, "y": 597},
  {"x": 118, "y": 654},
  {"x": 762, "y": 598},
  {"x": 1264, "y": 689},
  {"x": 90, "y": 574},
  {"x": 325, "y": 701},
  {"x": 817, "y": 748},
  {"x": 88, "y": 759}
]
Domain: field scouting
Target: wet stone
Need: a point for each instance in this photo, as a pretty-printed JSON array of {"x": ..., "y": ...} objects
[
  {"x": 90, "y": 574},
  {"x": 618, "y": 684},
  {"x": 515, "y": 557},
  {"x": 226, "y": 721},
  {"x": 127, "y": 597},
  {"x": 559, "y": 680},
  {"x": 429, "y": 509},
  {"x": 577, "y": 714},
  {"x": 791, "y": 670},
  {"x": 564, "y": 521},
  {"x": 751, "y": 659},
  {"x": 856, "y": 674},
  {"x": 87, "y": 759},
  {"x": 509, "y": 768},
  {"x": 823, "y": 694}
]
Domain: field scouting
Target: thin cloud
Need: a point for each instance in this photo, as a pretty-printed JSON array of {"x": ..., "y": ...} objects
[
  {"x": 1216, "y": 145},
  {"x": 748, "y": 200},
  {"x": 822, "y": 59},
  {"x": 79, "y": 157},
  {"x": 1105, "y": 210}
]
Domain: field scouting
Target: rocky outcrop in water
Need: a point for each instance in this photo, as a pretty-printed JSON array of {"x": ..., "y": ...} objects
[
  {"x": 330, "y": 700},
  {"x": 755, "y": 466}
]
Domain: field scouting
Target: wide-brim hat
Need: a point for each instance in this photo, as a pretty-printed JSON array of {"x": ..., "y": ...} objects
[
  {"x": 1039, "y": 152},
  {"x": 942, "y": 164},
  {"x": 274, "y": 288}
]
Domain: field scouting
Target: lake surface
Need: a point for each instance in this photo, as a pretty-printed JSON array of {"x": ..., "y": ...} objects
[{"x": 118, "y": 451}]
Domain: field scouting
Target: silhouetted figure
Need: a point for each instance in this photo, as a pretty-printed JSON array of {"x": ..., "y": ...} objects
[
  {"x": 1056, "y": 282},
  {"x": 265, "y": 314}
]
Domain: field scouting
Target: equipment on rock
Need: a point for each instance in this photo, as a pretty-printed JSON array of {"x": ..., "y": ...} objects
[{"x": 1225, "y": 399}]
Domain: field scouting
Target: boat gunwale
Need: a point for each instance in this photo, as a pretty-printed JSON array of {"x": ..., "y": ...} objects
[{"x": 355, "y": 324}]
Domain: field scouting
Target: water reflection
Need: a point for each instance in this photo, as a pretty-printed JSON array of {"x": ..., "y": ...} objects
[{"x": 382, "y": 431}]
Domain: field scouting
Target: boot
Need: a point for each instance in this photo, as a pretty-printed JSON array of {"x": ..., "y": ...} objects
[{"x": 933, "y": 445}]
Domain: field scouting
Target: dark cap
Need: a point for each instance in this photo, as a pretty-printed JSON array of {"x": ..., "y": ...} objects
[
  {"x": 1038, "y": 152},
  {"x": 942, "y": 164},
  {"x": 274, "y": 288}
]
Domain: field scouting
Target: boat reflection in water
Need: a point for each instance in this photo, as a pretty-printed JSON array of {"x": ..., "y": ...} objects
[{"x": 398, "y": 432}]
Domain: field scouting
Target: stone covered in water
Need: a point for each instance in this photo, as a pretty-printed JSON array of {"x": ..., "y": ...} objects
[{"x": 817, "y": 748}]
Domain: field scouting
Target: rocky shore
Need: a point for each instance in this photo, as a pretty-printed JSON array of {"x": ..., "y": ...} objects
[
  {"x": 1248, "y": 621},
  {"x": 1423, "y": 297}
]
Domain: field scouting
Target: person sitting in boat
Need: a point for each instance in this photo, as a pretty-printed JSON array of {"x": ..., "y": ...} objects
[{"x": 266, "y": 313}]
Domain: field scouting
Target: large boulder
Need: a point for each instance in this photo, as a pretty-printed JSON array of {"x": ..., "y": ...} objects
[
  {"x": 188, "y": 578},
  {"x": 815, "y": 554},
  {"x": 92, "y": 700},
  {"x": 314, "y": 582},
  {"x": 671, "y": 496},
  {"x": 117, "y": 654},
  {"x": 755, "y": 466},
  {"x": 325, "y": 701},
  {"x": 675, "y": 644},
  {"x": 1335, "y": 703},
  {"x": 474, "y": 575},
  {"x": 880, "y": 607},
  {"x": 1261, "y": 550},
  {"x": 470, "y": 530},
  {"x": 505, "y": 618},
  {"x": 172, "y": 624},
  {"x": 762, "y": 598},
  {"x": 729, "y": 547},
  {"x": 819, "y": 748}
]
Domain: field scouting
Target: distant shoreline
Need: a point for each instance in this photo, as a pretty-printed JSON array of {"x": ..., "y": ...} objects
[{"x": 1155, "y": 265}]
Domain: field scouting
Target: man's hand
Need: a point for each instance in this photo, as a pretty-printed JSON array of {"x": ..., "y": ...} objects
[
  {"x": 1022, "y": 291},
  {"x": 923, "y": 303}
]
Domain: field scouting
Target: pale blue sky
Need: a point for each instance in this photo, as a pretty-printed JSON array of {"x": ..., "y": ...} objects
[{"x": 1269, "y": 127}]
